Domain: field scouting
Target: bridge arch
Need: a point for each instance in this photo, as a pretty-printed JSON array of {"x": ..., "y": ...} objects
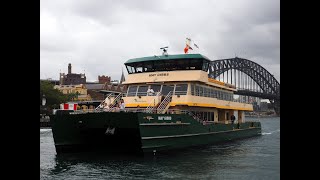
[{"x": 265, "y": 80}]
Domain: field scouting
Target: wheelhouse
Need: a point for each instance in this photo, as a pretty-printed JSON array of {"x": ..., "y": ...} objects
[{"x": 168, "y": 63}]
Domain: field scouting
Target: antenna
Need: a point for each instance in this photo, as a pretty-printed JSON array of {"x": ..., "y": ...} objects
[{"x": 165, "y": 53}]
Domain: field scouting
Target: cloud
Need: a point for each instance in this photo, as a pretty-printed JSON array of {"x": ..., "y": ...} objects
[{"x": 98, "y": 36}]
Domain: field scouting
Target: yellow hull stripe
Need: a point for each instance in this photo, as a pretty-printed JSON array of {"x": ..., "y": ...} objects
[{"x": 137, "y": 104}]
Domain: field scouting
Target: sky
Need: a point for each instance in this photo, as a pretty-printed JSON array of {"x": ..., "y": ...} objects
[{"x": 98, "y": 36}]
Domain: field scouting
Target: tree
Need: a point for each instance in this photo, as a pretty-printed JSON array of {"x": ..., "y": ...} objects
[
  {"x": 53, "y": 96},
  {"x": 73, "y": 96}
]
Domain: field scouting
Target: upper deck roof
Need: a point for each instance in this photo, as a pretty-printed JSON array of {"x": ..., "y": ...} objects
[{"x": 168, "y": 57}]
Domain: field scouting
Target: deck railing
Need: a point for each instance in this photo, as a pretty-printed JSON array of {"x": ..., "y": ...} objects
[
  {"x": 164, "y": 104},
  {"x": 101, "y": 106},
  {"x": 151, "y": 107}
]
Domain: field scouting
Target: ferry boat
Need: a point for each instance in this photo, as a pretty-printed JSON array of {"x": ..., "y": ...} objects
[{"x": 184, "y": 108}]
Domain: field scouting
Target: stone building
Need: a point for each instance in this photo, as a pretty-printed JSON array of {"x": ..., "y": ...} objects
[
  {"x": 72, "y": 78},
  {"x": 104, "y": 79}
]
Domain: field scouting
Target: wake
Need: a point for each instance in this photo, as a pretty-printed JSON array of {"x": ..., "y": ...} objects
[
  {"x": 45, "y": 130},
  {"x": 271, "y": 132}
]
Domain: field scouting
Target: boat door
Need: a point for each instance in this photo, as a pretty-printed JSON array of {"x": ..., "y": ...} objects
[{"x": 235, "y": 113}]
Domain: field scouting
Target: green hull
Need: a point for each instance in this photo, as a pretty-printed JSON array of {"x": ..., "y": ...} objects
[{"x": 140, "y": 132}]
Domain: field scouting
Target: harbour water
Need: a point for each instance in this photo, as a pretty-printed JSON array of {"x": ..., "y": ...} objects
[{"x": 253, "y": 158}]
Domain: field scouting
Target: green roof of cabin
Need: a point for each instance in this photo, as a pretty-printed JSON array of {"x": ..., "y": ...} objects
[{"x": 169, "y": 57}]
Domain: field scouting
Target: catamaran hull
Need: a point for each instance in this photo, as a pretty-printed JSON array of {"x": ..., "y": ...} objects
[{"x": 139, "y": 132}]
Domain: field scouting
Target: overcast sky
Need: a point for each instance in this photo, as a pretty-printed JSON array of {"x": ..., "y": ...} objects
[{"x": 98, "y": 36}]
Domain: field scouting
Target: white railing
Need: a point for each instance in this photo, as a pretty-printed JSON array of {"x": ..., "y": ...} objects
[
  {"x": 151, "y": 107},
  {"x": 101, "y": 106},
  {"x": 163, "y": 105},
  {"x": 114, "y": 102},
  {"x": 143, "y": 110},
  {"x": 139, "y": 110}
]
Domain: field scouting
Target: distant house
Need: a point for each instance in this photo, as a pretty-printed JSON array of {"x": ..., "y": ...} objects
[
  {"x": 94, "y": 91},
  {"x": 98, "y": 91},
  {"x": 80, "y": 90}
]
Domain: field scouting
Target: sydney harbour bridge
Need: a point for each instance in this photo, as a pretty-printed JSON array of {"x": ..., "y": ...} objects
[{"x": 250, "y": 79}]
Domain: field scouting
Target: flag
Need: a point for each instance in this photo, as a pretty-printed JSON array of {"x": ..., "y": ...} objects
[{"x": 186, "y": 49}]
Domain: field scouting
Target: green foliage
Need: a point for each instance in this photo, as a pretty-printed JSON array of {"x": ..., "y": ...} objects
[
  {"x": 73, "y": 96},
  {"x": 53, "y": 96}
]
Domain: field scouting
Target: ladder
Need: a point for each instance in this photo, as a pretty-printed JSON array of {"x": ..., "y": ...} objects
[
  {"x": 101, "y": 105},
  {"x": 115, "y": 100},
  {"x": 165, "y": 104},
  {"x": 151, "y": 107}
]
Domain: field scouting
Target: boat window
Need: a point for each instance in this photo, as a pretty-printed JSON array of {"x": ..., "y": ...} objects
[
  {"x": 132, "y": 91},
  {"x": 205, "y": 92},
  {"x": 139, "y": 67},
  {"x": 196, "y": 90},
  {"x": 230, "y": 97},
  {"x": 214, "y": 93},
  {"x": 200, "y": 91},
  {"x": 156, "y": 87},
  {"x": 159, "y": 66},
  {"x": 182, "y": 64},
  {"x": 130, "y": 69},
  {"x": 211, "y": 93},
  {"x": 148, "y": 66},
  {"x": 195, "y": 64},
  {"x": 192, "y": 89},
  {"x": 142, "y": 91},
  {"x": 168, "y": 65},
  {"x": 166, "y": 89},
  {"x": 218, "y": 94},
  {"x": 181, "y": 89},
  {"x": 208, "y": 91}
]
